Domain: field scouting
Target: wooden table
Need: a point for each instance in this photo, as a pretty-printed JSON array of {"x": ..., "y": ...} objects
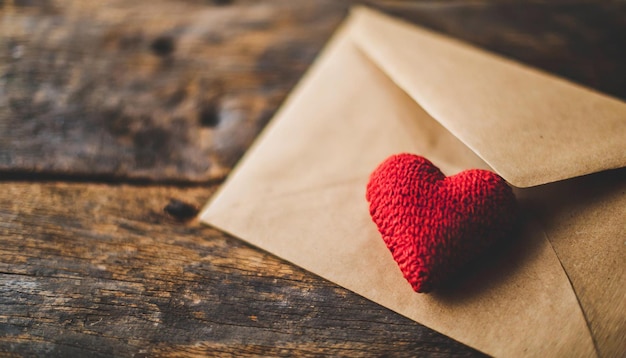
[{"x": 119, "y": 120}]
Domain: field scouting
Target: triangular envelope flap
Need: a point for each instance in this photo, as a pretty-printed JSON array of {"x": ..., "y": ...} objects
[{"x": 530, "y": 127}]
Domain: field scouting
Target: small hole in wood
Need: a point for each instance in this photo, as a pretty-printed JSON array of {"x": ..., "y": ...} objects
[
  {"x": 163, "y": 46},
  {"x": 180, "y": 210},
  {"x": 209, "y": 115}
]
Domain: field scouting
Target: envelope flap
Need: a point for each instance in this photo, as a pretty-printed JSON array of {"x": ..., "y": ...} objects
[{"x": 530, "y": 127}]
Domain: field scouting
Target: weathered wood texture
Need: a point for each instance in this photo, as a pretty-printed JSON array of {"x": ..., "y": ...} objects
[
  {"x": 159, "y": 90},
  {"x": 176, "y": 90},
  {"x": 101, "y": 270}
]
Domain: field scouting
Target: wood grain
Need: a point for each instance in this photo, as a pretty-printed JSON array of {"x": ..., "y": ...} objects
[
  {"x": 175, "y": 91},
  {"x": 158, "y": 90},
  {"x": 102, "y": 270}
]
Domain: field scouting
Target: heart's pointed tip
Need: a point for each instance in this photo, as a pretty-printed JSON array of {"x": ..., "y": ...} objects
[
  {"x": 420, "y": 289},
  {"x": 420, "y": 281}
]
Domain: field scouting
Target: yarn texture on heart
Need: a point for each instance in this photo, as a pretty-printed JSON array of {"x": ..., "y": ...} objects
[{"x": 435, "y": 225}]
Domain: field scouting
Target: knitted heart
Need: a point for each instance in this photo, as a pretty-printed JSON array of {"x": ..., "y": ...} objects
[{"x": 435, "y": 225}]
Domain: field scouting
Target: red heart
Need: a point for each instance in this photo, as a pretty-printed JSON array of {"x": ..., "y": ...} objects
[{"x": 435, "y": 225}]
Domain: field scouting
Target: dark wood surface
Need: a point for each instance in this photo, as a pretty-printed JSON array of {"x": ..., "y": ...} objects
[
  {"x": 119, "y": 119},
  {"x": 102, "y": 270}
]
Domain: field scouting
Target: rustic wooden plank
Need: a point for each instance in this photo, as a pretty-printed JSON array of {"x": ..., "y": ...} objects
[
  {"x": 176, "y": 90},
  {"x": 95, "y": 270},
  {"x": 158, "y": 90}
]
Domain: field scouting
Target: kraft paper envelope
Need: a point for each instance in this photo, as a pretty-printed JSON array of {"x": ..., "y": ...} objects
[{"x": 383, "y": 87}]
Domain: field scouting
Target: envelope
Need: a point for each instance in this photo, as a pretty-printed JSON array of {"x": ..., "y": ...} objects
[{"x": 381, "y": 87}]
